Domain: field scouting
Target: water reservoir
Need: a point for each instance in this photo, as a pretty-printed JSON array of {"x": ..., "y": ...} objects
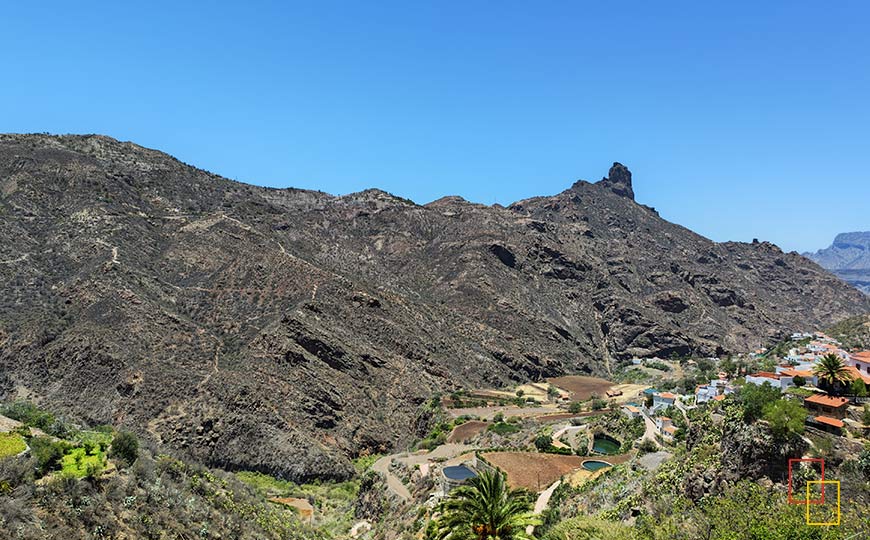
[
  {"x": 595, "y": 465},
  {"x": 603, "y": 444}
]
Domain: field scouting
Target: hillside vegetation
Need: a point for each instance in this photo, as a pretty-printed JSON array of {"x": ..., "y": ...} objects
[{"x": 853, "y": 333}]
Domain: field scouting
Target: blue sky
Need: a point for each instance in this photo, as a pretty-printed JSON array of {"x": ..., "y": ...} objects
[{"x": 738, "y": 120}]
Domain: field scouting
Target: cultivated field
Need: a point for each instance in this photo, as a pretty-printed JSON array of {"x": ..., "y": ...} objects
[
  {"x": 533, "y": 471},
  {"x": 581, "y": 387},
  {"x": 466, "y": 431}
]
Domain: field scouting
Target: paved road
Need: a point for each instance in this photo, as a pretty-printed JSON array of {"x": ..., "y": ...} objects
[
  {"x": 542, "y": 502},
  {"x": 445, "y": 451},
  {"x": 393, "y": 483},
  {"x": 651, "y": 430}
]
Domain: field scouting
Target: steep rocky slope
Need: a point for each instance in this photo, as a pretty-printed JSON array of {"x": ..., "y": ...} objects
[
  {"x": 848, "y": 258},
  {"x": 286, "y": 330}
]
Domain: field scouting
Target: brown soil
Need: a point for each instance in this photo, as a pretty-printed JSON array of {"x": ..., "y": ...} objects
[
  {"x": 532, "y": 471},
  {"x": 581, "y": 387},
  {"x": 544, "y": 418},
  {"x": 466, "y": 431}
]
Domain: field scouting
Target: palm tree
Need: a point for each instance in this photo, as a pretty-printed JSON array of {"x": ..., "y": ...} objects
[
  {"x": 832, "y": 371},
  {"x": 486, "y": 509}
]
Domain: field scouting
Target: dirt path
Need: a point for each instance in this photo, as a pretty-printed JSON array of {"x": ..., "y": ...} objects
[{"x": 507, "y": 411}]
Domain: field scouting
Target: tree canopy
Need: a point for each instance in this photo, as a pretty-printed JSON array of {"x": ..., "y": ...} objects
[{"x": 485, "y": 509}]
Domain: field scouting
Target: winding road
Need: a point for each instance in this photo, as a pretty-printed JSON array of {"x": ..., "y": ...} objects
[{"x": 395, "y": 484}]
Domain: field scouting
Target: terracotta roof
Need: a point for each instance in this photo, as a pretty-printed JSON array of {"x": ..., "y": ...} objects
[
  {"x": 827, "y": 400},
  {"x": 632, "y": 408},
  {"x": 829, "y": 421},
  {"x": 857, "y": 374},
  {"x": 667, "y": 395},
  {"x": 664, "y": 419},
  {"x": 796, "y": 372},
  {"x": 765, "y": 374},
  {"x": 863, "y": 356},
  {"x": 670, "y": 429},
  {"x": 719, "y": 398}
]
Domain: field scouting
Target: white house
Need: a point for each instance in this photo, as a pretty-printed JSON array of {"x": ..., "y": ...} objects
[
  {"x": 717, "y": 387},
  {"x": 774, "y": 379},
  {"x": 788, "y": 373},
  {"x": 663, "y": 400},
  {"x": 666, "y": 427},
  {"x": 631, "y": 411},
  {"x": 860, "y": 361}
]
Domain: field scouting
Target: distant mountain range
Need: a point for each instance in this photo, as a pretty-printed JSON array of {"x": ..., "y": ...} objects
[
  {"x": 848, "y": 258},
  {"x": 286, "y": 331}
]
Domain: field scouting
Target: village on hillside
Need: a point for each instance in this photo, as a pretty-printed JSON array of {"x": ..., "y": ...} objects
[{"x": 569, "y": 430}]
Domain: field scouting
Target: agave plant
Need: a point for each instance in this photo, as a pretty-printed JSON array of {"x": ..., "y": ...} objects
[
  {"x": 832, "y": 371},
  {"x": 486, "y": 509}
]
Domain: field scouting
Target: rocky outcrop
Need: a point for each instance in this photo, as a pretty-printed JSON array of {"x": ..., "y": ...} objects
[
  {"x": 618, "y": 180},
  {"x": 848, "y": 258},
  {"x": 288, "y": 331},
  {"x": 749, "y": 451}
]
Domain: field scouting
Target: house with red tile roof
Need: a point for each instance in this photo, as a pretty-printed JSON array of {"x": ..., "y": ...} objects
[
  {"x": 828, "y": 424},
  {"x": 631, "y": 411},
  {"x": 827, "y": 405}
]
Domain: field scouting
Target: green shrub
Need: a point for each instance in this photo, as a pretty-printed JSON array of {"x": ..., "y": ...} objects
[
  {"x": 47, "y": 453},
  {"x": 786, "y": 418},
  {"x": 859, "y": 388},
  {"x": 646, "y": 446},
  {"x": 589, "y": 528},
  {"x": 754, "y": 398},
  {"x": 543, "y": 442},
  {"x": 11, "y": 444},
  {"x": 658, "y": 365},
  {"x": 503, "y": 428},
  {"x": 575, "y": 407},
  {"x": 125, "y": 448}
]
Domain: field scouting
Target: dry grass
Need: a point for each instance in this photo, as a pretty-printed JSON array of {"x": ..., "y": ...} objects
[{"x": 580, "y": 387}]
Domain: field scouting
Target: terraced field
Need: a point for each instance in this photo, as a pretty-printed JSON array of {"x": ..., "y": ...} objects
[
  {"x": 533, "y": 471},
  {"x": 581, "y": 387}
]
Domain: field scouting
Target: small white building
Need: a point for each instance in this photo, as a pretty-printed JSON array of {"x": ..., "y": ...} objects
[
  {"x": 717, "y": 387},
  {"x": 788, "y": 373},
  {"x": 762, "y": 377},
  {"x": 666, "y": 428},
  {"x": 631, "y": 411},
  {"x": 860, "y": 361},
  {"x": 663, "y": 400}
]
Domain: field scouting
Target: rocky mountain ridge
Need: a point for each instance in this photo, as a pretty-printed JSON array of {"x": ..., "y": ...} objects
[
  {"x": 848, "y": 258},
  {"x": 286, "y": 330}
]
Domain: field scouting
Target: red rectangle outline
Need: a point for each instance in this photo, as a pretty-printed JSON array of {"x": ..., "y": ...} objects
[{"x": 802, "y": 501}]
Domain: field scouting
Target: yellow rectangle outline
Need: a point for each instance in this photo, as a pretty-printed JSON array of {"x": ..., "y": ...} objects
[{"x": 822, "y": 482}]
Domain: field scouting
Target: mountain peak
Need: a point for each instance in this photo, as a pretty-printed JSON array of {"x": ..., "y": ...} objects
[{"x": 618, "y": 179}]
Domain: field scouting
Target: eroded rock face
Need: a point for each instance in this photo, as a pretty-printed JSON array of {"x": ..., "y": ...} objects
[
  {"x": 288, "y": 330},
  {"x": 750, "y": 452},
  {"x": 848, "y": 258}
]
